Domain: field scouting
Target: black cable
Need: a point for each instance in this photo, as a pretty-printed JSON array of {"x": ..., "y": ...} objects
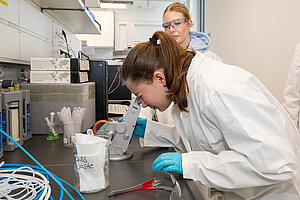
[
  {"x": 109, "y": 91},
  {"x": 65, "y": 36},
  {"x": 80, "y": 53},
  {"x": 69, "y": 47}
]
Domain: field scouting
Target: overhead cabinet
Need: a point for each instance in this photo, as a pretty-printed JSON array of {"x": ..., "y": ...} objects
[
  {"x": 71, "y": 13},
  {"x": 27, "y": 32}
]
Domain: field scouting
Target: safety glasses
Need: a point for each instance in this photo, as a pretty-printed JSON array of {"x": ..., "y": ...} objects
[
  {"x": 168, "y": 180},
  {"x": 175, "y": 23}
]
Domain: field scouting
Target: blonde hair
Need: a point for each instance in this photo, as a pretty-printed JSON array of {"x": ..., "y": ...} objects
[
  {"x": 161, "y": 52},
  {"x": 178, "y": 7}
]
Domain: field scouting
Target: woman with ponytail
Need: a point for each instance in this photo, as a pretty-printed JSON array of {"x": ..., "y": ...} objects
[{"x": 229, "y": 132}]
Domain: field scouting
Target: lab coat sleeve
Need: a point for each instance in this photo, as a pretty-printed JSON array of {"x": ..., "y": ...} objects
[
  {"x": 255, "y": 129},
  {"x": 161, "y": 135},
  {"x": 292, "y": 89}
]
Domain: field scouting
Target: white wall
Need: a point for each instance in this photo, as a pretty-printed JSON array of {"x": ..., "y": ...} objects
[
  {"x": 138, "y": 22},
  {"x": 258, "y": 35},
  {"x": 135, "y": 24}
]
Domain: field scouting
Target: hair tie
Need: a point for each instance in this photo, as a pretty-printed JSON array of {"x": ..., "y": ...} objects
[{"x": 154, "y": 40}]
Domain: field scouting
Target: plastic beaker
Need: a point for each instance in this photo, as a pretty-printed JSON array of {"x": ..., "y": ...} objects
[{"x": 68, "y": 133}]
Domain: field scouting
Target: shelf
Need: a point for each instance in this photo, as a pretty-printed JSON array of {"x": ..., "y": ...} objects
[
  {"x": 14, "y": 61},
  {"x": 92, "y": 3},
  {"x": 72, "y": 14}
]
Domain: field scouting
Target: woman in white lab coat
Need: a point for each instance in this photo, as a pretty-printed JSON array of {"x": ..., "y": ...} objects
[
  {"x": 230, "y": 129},
  {"x": 292, "y": 89}
]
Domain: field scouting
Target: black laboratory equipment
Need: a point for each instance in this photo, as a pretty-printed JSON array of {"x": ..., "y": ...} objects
[
  {"x": 110, "y": 88},
  {"x": 98, "y": 73}
]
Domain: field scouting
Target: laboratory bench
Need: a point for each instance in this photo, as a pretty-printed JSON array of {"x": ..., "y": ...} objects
[{"x": 57, "y": 158}]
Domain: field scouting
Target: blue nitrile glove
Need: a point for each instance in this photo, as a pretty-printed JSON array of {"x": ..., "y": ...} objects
[
  {"x": 168, "y": 162},
  {"x": 140, "y": 126}
]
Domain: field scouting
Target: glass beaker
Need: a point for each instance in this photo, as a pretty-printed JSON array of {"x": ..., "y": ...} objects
[
  {"x": 91, "y": 171},
  {"x": 50, "y": 135}
]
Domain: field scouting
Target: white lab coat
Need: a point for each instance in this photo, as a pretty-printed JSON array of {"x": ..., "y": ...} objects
[
  {"x": 235, "y": 133},
  {"x": 282, "y": 191},
  {"x": 292, "y": 89}
]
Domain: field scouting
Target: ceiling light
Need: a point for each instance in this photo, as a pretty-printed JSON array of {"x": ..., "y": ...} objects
[{"x": 113, "y": 5}]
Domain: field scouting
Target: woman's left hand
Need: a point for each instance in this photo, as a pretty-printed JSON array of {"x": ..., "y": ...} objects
[{"x": 168, "y": 162}]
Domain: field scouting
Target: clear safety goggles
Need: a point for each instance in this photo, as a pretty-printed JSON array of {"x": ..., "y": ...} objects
[
  {"x": 169, "y": 181},
  {"x": 175, "y": 23}
]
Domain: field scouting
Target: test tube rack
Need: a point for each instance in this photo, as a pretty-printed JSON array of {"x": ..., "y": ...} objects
[
  {"x": 26, "y": 115},
  {"x": 12, "y": 123},
  {"x": 1, "y": 146}
]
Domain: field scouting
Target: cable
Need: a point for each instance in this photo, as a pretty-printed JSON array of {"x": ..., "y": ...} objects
[
  {"x": 65, "y": 36},
  {"x": 40, "y": 170},
  {"x": 109, "y": 91},
  {"x": 23, "y": 183},
  {"x": 43, "y": 172},
  {"x": 55, "y": 178},
  {"x": 68, "y": 46}
]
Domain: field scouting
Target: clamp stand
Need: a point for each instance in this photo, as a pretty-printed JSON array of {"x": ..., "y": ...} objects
[
  {"x": 116, "y": 157},
  {"x": 120, "y": 133}
]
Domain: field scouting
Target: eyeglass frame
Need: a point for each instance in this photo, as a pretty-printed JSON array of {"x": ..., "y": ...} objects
[{"x": 182, "y": 20}]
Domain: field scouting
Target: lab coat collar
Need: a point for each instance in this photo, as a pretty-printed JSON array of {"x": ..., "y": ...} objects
[{"x": 195, "y": 64}]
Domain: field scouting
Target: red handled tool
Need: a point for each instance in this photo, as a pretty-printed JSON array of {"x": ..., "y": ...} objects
[{"x": 151, "y": 184}]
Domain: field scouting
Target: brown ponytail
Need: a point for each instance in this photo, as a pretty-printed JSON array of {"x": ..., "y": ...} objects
[{"x": 161, "y": 52}]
